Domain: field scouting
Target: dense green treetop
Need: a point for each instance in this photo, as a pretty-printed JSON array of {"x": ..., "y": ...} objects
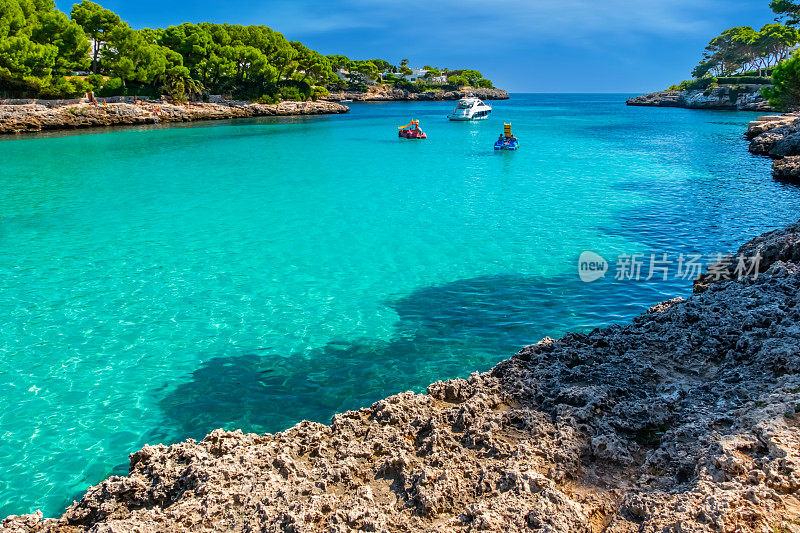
[
  {"x": 744, "y": 55},
  {"x": 742, "y": 49},
  {"x": 787, "y": 11},
  {"x": 98, "y": 23},
  {"x": 40, "y": 48},
  {"x": 39, "y": 43}
]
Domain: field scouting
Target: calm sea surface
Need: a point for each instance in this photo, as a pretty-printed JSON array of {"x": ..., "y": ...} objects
[{"x": 157, "y": 283}]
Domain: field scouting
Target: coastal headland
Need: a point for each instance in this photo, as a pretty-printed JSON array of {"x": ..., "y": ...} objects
[
  {"x": 687, "y": 418},
  {"x": 742, "y": 98},
  {"x": 36, "y": 117}
]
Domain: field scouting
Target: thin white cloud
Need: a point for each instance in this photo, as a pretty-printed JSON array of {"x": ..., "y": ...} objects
[
  {"x": 531, "y": 19},
  {"x": 315, "y": 23}
]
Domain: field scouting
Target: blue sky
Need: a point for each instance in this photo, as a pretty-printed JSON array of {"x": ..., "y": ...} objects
[{"x": 521, "y": 45}]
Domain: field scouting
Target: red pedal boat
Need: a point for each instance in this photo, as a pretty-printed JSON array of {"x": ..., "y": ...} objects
[{"x": 412, "y": 131}]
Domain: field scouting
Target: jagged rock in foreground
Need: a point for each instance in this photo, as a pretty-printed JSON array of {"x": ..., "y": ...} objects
[
  {"x": 725, "y": 97},
  {"x": 36, "y": 117},
  {"x": 684, "y": 420},
  {"x": 380, "y": 93}
]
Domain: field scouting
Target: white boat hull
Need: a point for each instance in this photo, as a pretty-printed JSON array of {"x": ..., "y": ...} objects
[
  {"x": 470, "y": 108},
  {"x": 462, "y": 118}
]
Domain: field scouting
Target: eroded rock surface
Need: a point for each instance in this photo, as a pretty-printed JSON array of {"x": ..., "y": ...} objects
[
  {"x": 684, "y": 420},
  {"x": 746, "y": 98},
  {"x": 778, "y": 136},
  {"x": 787, "y": 168},
  {"x": 36, "y": 117}
]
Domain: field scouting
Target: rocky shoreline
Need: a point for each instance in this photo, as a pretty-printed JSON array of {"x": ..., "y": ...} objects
[
  {"x": 53, "y": 116},
  {"x": 686, "y": 419},
  {"x": 379, "y": 93},
  {"x": 27, "y": 118},
  {"x": 778, "y": 137},
  {"x": 747, "y": 98}
]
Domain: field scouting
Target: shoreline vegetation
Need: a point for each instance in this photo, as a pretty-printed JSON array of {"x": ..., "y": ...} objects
[
  {"x": 743, "y": 69},
  {"x": 627, "y": 428},
  {"x": 382, "y": 93},
  {"x": 63, "y": 66},
  {"x": 747, "y": 70},
  {"x": 44, "y": 53}
]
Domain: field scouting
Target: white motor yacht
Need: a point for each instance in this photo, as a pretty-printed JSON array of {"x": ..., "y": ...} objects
[{"x": 470, "y": 108}]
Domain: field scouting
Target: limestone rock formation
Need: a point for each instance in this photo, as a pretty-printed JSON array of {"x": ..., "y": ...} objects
[
  {"x": 788, "y": 145},
  {"x": 787, "y": 168},
  {"x": 686, "y": 419},
  {"x": 767, "y": 123},
  {"x": 37, "y": 117},
  {"x": 778, "y": 136},
  {"x": 747, "y": 98}
]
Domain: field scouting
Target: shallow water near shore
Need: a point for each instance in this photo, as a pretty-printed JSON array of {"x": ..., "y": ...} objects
[{"x": 158, "y": 283}]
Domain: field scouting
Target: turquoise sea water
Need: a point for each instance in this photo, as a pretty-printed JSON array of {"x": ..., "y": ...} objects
[{"x": 157, "y": 283}]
